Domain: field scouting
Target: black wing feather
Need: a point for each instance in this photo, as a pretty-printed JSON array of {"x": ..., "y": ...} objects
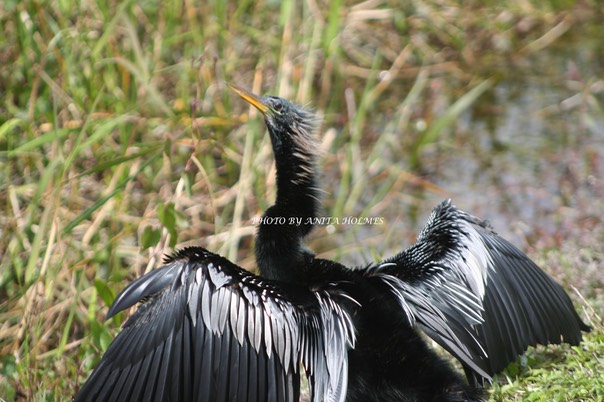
[
  {"x": 476, "y": 294},
  {"x": 524, "y": 302},
  {"x": 209, "y": 330}
]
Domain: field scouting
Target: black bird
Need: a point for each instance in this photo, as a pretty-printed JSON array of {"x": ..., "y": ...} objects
[{"x": 208, "y": 330}]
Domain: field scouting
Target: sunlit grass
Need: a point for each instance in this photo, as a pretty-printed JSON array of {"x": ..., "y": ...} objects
[
  {"x": 118, "y": 140},
  {"x": 556, "y": 374}
]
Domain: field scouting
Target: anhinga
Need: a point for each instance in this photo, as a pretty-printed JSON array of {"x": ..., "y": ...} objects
[{"x": 207, "y": 330}]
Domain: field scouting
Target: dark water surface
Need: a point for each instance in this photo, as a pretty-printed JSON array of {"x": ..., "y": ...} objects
[{"x": 528, "y": 156}]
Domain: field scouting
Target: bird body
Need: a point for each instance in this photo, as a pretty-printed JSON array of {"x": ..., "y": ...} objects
[{"x": 209, "y": 330}]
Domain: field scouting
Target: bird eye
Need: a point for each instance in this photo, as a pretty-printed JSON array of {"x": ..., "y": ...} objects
[{"x": 278, "y": 106}]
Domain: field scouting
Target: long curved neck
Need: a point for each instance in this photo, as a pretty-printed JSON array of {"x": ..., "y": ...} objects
[
  {"x": 280, "y": 251},
  {"x": 298, "y": 194}
]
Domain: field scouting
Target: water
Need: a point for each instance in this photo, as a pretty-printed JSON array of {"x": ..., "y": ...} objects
[
  {"x": 528, "y": 157},
  {"x": 539, "y": 152}
]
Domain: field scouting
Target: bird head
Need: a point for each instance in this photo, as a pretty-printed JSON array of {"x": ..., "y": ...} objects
[{"x": 290, "y": 126}]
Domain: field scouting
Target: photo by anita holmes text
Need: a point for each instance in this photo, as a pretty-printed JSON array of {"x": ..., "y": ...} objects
[{"x": 318, "y": 220}]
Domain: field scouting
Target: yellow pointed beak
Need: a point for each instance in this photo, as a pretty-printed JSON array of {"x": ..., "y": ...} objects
[{"x": 249, "y": 97}]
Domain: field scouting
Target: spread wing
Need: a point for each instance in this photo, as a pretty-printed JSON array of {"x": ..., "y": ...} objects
[
  {"x": 211, "y": 331},
  {"x": 477, "y": 295}
]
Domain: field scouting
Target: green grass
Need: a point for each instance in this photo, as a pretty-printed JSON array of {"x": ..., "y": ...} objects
[
  {"x": 556, "y": 374},
  {"x": 118, "y": 141}
]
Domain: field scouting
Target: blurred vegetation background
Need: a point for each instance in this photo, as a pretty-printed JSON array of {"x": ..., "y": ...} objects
[{"x": 119, "y": 142}]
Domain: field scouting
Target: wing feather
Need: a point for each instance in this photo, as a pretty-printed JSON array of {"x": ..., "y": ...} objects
[
  {"x": 209, "y": 330},
  {"x": 476, "y": 294}
]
